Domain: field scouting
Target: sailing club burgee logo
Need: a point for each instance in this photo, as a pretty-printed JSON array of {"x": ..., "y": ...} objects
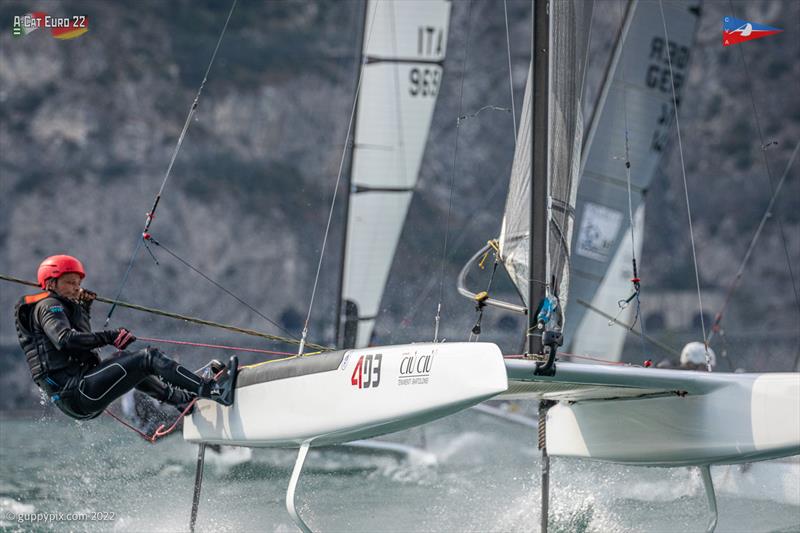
[{"x": 736, "y": 31}]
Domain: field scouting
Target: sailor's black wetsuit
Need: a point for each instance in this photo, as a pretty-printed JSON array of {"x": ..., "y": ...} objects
[{"x": 60, "y": 347}]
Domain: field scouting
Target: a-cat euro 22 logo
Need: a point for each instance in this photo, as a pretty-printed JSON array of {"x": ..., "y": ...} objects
[
  {"x": 367, "y": 372},
  {"x": 60, "y": 27}
]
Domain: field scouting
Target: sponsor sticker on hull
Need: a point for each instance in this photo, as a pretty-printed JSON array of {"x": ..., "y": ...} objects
[
  {"x": 367, "y": 372},
  {"x": 415, "y": 369}
]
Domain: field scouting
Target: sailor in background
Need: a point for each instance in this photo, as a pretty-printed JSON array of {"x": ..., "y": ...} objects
[
  {"x": 55, "y": 333},
  {"x": 693, "y": 357}
]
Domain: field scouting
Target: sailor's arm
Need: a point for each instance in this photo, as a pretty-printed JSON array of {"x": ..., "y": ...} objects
[{"x": 56, "y": 326}]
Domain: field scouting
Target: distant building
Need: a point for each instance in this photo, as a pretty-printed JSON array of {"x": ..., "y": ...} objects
[{"x": 678, "y": 310}]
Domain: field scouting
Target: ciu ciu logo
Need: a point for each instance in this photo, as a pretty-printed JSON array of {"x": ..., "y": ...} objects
[{"x": 416, "y": 365}]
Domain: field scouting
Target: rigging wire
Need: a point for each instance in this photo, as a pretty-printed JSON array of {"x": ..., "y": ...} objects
[
  {"x": 630, "y": 327},
  {"x": 740, "y": 272},
  {"x": 152, "y": 213},
  {"x": 685, "y": 187},
  {"x": 176, "y": 316},
  {"x": 510, "y": 74},
  {"x": 161, "y": 245},
  {"x": 139, "y": 242},
  {"x": 635, "y": 280},
  {"x": 214, "y": 346},
  {"x": 764, "y": 147},
  {"x": 463, "y": 235},
  {"x": 336, "y": 190},
  {"x": 452, "y": 178},
  {"x": 498, "y": 184}
]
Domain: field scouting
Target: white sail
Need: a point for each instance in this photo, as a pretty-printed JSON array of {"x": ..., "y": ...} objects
[
  {"x": 594, "y": 335},
  {"x": 404, "y": 48},
  {"x": 640, "y": 95}
]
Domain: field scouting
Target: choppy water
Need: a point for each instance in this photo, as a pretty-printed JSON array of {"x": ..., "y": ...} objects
[{"x": 484, "y": 478}]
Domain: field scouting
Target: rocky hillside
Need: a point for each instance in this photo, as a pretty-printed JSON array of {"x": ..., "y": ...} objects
[{"x": 88, "y": 126}]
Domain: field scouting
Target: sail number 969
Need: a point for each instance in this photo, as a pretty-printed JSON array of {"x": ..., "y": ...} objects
[{"x": 424, "y": 81}]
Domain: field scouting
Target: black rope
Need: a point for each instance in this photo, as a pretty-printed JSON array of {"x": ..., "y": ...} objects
[
  {"x": 217, "y": 285},
  {"x": 176, "y": 316}
]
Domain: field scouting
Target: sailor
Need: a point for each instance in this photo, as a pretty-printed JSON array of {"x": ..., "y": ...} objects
[
  {"x": 693, "y": 357},
  {"x": 61, "y": 349}
]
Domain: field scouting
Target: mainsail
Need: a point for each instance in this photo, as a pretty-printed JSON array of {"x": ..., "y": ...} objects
[
  {"x": 403, "y": 52},
  {"x": 637, "y": 109},
  {"x": 569, "y": 24}
]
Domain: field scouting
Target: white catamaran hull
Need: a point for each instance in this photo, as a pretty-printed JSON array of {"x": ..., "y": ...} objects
[
  {"x": 342, "y": 396},
  {"x": 664, "y": 417}
]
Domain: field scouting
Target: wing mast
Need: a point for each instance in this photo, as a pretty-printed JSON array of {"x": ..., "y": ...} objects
[{"x": 540, "y": 192}]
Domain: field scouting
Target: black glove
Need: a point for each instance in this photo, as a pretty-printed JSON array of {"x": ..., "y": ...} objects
[{"x": 122, "y": 339}]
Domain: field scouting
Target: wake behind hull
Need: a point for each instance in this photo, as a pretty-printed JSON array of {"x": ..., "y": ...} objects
[{"x": 356, "y": 394}]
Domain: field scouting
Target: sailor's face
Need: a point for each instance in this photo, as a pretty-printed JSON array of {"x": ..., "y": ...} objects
[{"x": 68, "y": 285}]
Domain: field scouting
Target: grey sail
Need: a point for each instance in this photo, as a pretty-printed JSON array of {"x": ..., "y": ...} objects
[
  {"x": 569, "y": 25},
  {"x": 639, "y": 94}
]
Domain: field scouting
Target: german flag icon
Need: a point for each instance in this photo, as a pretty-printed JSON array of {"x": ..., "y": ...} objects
[{"x": 77, "y": 27}]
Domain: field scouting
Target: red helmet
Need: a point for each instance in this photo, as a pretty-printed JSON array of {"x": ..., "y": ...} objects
[{"x": 56, "y": 266}]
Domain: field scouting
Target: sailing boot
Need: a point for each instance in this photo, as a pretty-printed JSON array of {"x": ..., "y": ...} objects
[{"x": 222, "y": 390}]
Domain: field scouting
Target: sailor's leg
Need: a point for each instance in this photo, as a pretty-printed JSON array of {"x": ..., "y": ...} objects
[
  {"x": 114, "y": 377},
  {"x": 156, "y": 363},
  {"x": 298, "y": 467},
  {"x": 170, "y": 371},
  {"x": 108, "y": 381},
  {"x": 155, "y": 388}
]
